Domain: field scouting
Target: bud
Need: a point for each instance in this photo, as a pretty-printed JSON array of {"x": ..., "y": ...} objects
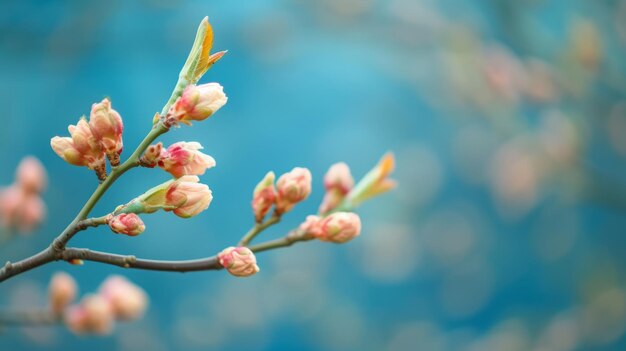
[
  {"x": 184, "y": 196},
  {"x": 92, "y": 315},
  {"x": 197, "y": 103},
  {"x": 152, "y": 156},
  {"x": 31, "y": 175},
  {"x": 127, "y": 300},
  {"x": 239, "y": 261},
  {"x": 32, "y": 213},
  {"x": 339, "y": 227},
  {"x": 107, "y": 127},
  {"x": 338, "y": 182},
  {"x": 82, "y": 149},
  {"x": 311, "y": 227},
  {"x": 374, "y": 183},
  {"x": 127, "y": 223},
  {"x": 293, "y": 187},
  {"x": 11, "y": 200},
  {"x": 264, "y": 196},
  {"x": 183, "y": 158},
  {"x": 61, "y": 291}
]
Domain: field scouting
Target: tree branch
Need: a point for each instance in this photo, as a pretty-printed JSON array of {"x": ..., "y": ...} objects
[
  {"x": 30, "y": 318},
  {"x": 259, "y": 227}
]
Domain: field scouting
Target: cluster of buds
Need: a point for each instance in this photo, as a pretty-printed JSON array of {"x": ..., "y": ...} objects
[
  {"x": 116, "y": 299},
  {"x": 238, "y": 261},
  {"x": 290, "y": 189},
  {"x": 89, "y": 142},
  {"x": 180, "y": 159},
  {"x": 21, "y": 206}
]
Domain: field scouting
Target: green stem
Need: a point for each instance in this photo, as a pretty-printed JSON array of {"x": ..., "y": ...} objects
[
  {"x": 259, "y": 227},
  {"x": 285, "y": 241}
]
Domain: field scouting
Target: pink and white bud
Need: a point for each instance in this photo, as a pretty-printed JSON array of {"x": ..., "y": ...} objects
[
  {"x": 264, "y": 196},
  {"x": 152, "y": 156},
  {"x": 197, "y": 103},
  {"x": 11, "y": 200},
  {"x": 61, "y": 292},
  {"x": 127, "y": 223},
  {"x": 92, "y": 315},
  {"x": 311, "y": 227},
  {"x": 238, "y": 261},
  {"x": 339, "y": 227},
  {"x": 31, "y": 175},
  {"x": 82, "y": 149},
  {"x": 338, "y": 182},
  {"x": 183, "y": 158},
  {"x": 186, "y": 197},
  {"x": 292, "y": 188},
  {"x": 127, "y": 300},
  {"x": 32, "y": 213},
  {"x": 107, "y": 127}
]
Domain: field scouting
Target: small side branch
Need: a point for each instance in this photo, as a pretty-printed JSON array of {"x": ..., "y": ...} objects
[{"x": 30, "y": 318}]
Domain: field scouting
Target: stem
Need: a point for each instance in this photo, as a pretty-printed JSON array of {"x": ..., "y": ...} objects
[
  {"x": 30, "y": 318},
  {"x": 259, "y": 227},
  {"x": 286, "y": 241}
]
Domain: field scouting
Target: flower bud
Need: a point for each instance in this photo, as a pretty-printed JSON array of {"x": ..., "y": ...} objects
[
  {"x": 31, "y": 175},
  {"x": 183, "y": 158},
  {"x": 127, "y": 300},
  {"x": 311, "y": 227},
  {"x": 264, "y": 196},
  {"x": 82, "y": 149},
  {"x": 293, "y": 187},
  {"x": 92, "y": 315},
  {"x": 152, "y": 156},
  {"x": 11, "y": 200},
  {"x": 127, "y": 223},
  {"x": 338, "y": 182},
  {"x": 197, "y": 103},
  {"x": 339, "y": 227},
  {"x": 61, "y": 292},
  {"x": 374, "y": 183},
  {"x": 107, "y": 127},
  {"x": 239, "y": 261},
  {"x": 32, "y": 213},
  {"x": 184, "y": 196}
]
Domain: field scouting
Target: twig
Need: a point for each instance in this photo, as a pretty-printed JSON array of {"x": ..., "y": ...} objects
[
  {"x": 259, "y": 227},
  {"x": 30, "y": 318}
]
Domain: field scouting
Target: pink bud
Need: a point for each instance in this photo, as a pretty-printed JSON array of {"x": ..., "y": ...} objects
[
  {"x": 127, "y": 300},
  {"x": 61, "y": 291},
  {"x": 183, "y": 158},
  {"x": 339, "y": 227},
  {"x": 312, "y": 227},
  {"x": 338, "y": 177},
  {"x": 264, "y": 197},
  {"x": 31, "y": 175},
  {"x": 152, "y": 156},
  {"x": 107, "y": 127},
  {"x": 11, "y": 200},
  {"x": 197, "y": 103},
  {"x": 32, "y": 213},
  {"x": 82, "y": 149},
  {"x": 127, "y": 223},
  {"x": 239, "y": 261},
  {"x": 186, "y": 197},
  {"x": 293, "y": 187},
  {"x": 92, "y": 315}
]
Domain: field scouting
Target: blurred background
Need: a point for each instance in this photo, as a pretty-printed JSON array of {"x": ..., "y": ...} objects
[{"x": 507, "y": 118}]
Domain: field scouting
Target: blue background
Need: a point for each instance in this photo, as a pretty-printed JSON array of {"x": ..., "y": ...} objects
[{"x": 451, "y": 260}]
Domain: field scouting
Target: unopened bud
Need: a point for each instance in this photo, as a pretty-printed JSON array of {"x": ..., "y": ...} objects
[
  {"x": 61, "y": 292},
  {"x": 374, "y": 183},
  {"x": 127, "y": 223},
  {"x": 92, "y": 315},
  {"x": 292, "y": 188},
  {"x": 107, "y": 127},
  {"x": 31, "y": 175},
  {"x": 197, "y": 103},
  {"x": 238, "y": 261},
  {"x": 82, "y": 149},
  {"x": 127, "y": 300},
  {"x": 339, "y": 227},
  {"x": 184, "y": 158},
  {"x": 184, "y": 196},
  {"x": 264, "y": 196}
]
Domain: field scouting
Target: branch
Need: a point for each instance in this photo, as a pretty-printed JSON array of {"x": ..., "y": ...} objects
[
  {"x": 259, "y": 227},
  {"x": 30, "y": 318}
]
